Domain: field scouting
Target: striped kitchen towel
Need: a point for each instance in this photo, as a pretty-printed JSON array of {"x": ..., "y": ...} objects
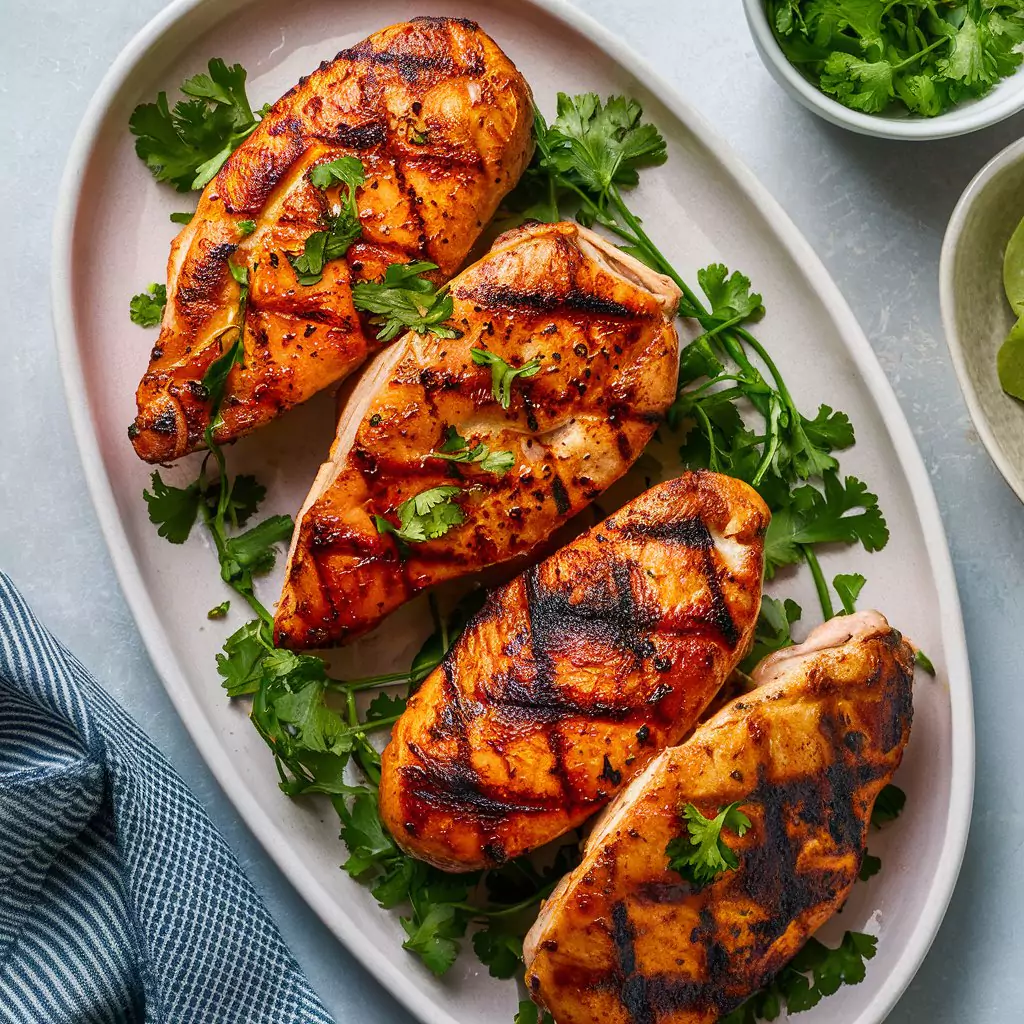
[{"x": 119, "y": 900}]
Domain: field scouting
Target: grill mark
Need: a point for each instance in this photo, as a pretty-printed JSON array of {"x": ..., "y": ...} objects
[
  {"x": 411, "y": 67},
  {"x": 720, "y": 615},
  {"x": 411, "y": 196},
  {"x": 361, "y": 136},
  {"x": 691, "y": 532},
  {"x": 575, "y": 300},
  {"x": 561, "y": 495},
  {"x": 633, "y": 986}
]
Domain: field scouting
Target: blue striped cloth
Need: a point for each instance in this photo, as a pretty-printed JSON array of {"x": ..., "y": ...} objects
[{"x": 119, "y": 900}]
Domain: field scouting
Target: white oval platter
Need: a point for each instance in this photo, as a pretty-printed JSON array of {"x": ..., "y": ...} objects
[{"x": 111, "y": 238}]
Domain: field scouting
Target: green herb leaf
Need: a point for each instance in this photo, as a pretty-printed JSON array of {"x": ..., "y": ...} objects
[
  {"x": 188, "y": 144},
  {"x": 869, "y": 867},
  {"x": 172, "y": 509},
  {"x": 861, "y": 84},
  {"x": 182, "y": 218},
  {"x": 426, "y": 516},
  {"x": 219, "y": 611},
  {"x": 323, "y": 246},
  {"x": 252, "y": 553},
  {"x": 729, "y": 294},
  {"x": 147, "y": 308},
  {"x": 246, "y": 227},
  {"x": 240, "y": 663},
  {"x": 530, "y": 1013},
  {"x": 456, "y": 449},
  {"x": 848, "y": 586},
  {"x": 702, "y": 855},
  {"x": 842, "y": 513},
  {"x": 406, "y": 301},
  {"x": 889, "y": 805},
  {"x": 772, "y": 632},
  {"x": 499, "y": 950},
  {"x": 502, "y": 375},
  {"x": 924, "y": 662},
  {"x": 603, "y": 144}
]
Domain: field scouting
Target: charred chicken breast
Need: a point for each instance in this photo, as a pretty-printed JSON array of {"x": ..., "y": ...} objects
[
  {"x": 574, "y": 675},
  {"x": 587, "y": 334},
  {"x": 626, "y": 940},
  {"x": 440, "y": 119}
]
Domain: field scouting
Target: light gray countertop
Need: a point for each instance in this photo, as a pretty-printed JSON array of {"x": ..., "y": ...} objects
[{"x": 874, "y": 211}]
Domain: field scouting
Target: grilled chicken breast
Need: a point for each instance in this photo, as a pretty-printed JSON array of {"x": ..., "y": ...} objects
[
  {"x": 600, "y": 326},
  {"x": 625, "y": 940},
  {"x": 441, "y": 120},
  {"x": 574, "y": 675}
]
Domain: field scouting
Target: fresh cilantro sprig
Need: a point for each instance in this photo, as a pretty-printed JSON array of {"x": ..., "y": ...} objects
[
  {"x": 502, "y": 374},
  {"x": 425, "y": 516},
  {"x": 187, "y": 145},
  {"x": 406, "y": 301},
  {"x": 917, "y": 57},
  {"x": 147, "y": 308},
  {"x": 456, "y": 449},
  {"x": 344, "y": 225},
  {"x": 701, "y": 855},
  {"x": 815, "y": 972}
]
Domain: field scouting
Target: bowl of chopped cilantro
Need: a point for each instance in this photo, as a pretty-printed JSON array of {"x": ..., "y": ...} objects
[{"x": 905, "y": 69}]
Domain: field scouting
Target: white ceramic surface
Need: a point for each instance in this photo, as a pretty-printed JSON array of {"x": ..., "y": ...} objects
[
  {"x": 1005, "y": 99},
  {"x": 975, "y": 313},
  {"x": 111, "y": 238}
]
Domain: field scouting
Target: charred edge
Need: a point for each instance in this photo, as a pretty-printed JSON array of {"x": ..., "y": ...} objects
[
  {"x": 576, "y": 301},
  {"x": 441, "y": 22},
  {"x": 633, "y": 986}
]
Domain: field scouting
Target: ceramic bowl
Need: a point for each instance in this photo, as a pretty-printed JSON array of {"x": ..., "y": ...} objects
[
  {"x": 1005, "y": 99},
  {"x": 975, "y": 312}
]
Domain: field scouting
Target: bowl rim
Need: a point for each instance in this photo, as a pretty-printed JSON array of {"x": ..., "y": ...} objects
[
  {"x": 958, "y": 120},
  {"x": 1012, "y": 154}
]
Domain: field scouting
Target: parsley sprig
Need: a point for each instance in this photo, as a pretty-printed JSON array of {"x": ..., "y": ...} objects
[
  {"x": 457, "y": 449},
  {"x": 425, "y": 516},
  {"x": 503, "y": 374},
  {"x": 406, "y": 301},
  {"x": 147, "y": 308},
  {"x": 344, "y": 226},
  {"x": 187, "y": 144},
  {"x": 701, "y": 855}
]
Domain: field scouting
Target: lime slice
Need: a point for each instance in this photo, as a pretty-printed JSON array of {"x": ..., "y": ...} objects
[
  {"x": 1013, "y": 270},
  {"x": 1010, "y": 361}
]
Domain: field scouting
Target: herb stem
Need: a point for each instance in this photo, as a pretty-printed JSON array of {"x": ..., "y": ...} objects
[{"x": 820, "y": 584}]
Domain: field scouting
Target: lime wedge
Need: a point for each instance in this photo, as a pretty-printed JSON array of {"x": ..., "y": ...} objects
[
  {"x": 1013, "y": 270},
  {"x": 1010, "y": 361}
]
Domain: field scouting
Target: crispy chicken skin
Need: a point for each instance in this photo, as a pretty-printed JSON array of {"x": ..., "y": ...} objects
[
  {"x": 624, "y": 940},
  {"x": 600, "y": 324},
  {"x": 574, "y": 675},
  {"x": 441, "y": 120}
]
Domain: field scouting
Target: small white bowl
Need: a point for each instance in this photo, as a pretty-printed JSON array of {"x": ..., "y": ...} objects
[
  {"x": 1005, "y": 99},
  {"x": 975, "y": 313}
]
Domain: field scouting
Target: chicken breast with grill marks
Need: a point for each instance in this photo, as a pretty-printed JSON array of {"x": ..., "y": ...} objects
[
  {"x": 599, "y": 325},
  {"x": 575, "y": 674},
  {"x": 441, "y": 120},
  {"x": 626, "y": 940}
]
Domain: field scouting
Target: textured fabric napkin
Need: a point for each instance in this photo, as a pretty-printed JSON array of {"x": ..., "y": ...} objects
[{"x": 119, "y": 900}]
